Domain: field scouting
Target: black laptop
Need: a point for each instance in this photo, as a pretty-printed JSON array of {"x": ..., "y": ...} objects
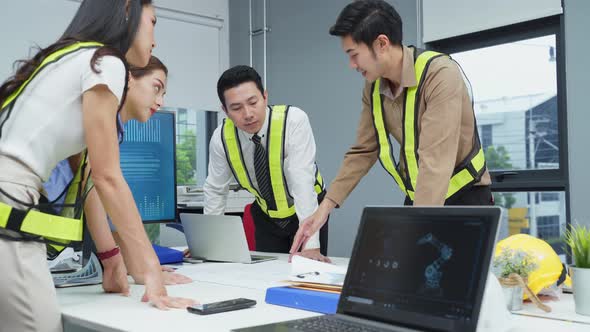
[{"x": 412, "y": 269}]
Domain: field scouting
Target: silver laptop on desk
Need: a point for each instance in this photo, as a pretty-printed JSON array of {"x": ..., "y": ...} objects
[
  {"x": 218, "y": 238},
  {"x": 412, "y": 269}
]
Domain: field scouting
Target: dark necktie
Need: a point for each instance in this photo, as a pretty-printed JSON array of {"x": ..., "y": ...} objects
[
  {"x": 261, "y": 170},
  {"x": 263, "y": 177}
]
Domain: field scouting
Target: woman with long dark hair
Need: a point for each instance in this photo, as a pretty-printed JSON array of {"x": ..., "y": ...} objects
[
  {"x": 63, "y": 100},
  {"x": 147, "y": 87}
]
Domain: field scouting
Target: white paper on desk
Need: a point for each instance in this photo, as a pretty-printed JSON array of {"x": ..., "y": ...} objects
[{"x": 309, "y": 270}]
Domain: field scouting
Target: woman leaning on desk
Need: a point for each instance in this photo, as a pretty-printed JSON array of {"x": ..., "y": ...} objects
[
  {"x": 60, "y": 102},
  {"x": 147, "y": 87}
]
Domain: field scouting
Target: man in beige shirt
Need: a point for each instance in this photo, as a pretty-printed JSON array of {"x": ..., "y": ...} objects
[{"x": 424, "y": 104}]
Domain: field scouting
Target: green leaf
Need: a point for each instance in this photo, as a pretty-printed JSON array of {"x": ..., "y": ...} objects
[{"x": 578, "y": 239}]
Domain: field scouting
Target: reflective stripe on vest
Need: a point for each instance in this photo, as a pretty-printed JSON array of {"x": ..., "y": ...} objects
[
  {"x": 72, "y": 210},
  {"x": 58, "y": 231},
  {"x": 283, "y": 206},
  {"x": 465, "y": 174},
  {"x": 45, "y": 225}
]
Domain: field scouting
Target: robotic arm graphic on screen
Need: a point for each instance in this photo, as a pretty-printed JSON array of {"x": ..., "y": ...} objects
[{"x": 432, "y": 273}]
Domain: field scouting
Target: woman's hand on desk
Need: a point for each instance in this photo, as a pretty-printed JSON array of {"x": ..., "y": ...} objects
[
  {"x": 315, "y": 255},
  {"x": 169, "y": 276},
  {"x": 173, "y": 278},
  {"x": 155, "y": 293},
  {"x": 114, "y": 277},
  {"x": 167, "y": 269}
]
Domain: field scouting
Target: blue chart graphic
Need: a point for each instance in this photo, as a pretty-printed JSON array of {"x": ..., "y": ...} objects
[{"x": 147, "y": 161}]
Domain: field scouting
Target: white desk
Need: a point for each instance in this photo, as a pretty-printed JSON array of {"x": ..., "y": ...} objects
[{"x": 90, "y": 308}]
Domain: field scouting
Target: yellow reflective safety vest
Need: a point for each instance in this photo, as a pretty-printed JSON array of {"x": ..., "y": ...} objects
[
  {"x": 56, "y": 230},
  {"x": 467, "y": 173},
  {"x": 283, "y": 205}
]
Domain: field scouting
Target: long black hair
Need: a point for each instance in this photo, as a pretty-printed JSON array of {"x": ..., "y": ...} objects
[{"x": 113, "y": 23}]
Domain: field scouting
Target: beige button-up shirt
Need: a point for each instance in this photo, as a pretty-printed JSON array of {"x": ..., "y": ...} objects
[{"x": 445, "y": 129}]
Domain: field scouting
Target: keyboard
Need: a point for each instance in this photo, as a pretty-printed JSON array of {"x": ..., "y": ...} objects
[{"x": 331, "y": 323}]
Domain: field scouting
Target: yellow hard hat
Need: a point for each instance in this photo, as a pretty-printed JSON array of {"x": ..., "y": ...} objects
[{"x": 549, "y": 271}]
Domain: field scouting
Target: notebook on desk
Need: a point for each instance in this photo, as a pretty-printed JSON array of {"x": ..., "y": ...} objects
[
  {"x": 218, "y": 238},
  {"x": 412, "y": 269}
]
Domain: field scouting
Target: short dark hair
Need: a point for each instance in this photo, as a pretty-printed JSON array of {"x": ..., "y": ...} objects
[
  {"x": 236, "y": 76},
  {"x": 365, "y": 20},
  {"x": 153, "y": 65}
]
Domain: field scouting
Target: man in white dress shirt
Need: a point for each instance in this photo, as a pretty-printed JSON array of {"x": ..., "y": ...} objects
[{"x": 270, "y": 151}]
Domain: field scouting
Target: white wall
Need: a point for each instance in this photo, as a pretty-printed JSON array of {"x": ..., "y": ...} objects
[
  {"x": 577, "y": 26},
  {"x": 50, "y": 19},
  {"x": 211, "y": 8},
  {"x": 450, "y": 18},
  {"x": 192, "y": 38}
]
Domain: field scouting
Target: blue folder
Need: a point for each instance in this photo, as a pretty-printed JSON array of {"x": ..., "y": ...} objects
[
  {"x": 167, "y": 255},
  {"x": 303, "y": 299}
]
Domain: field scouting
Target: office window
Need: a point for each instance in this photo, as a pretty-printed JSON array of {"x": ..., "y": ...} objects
[
  {"x": 486, "y": 136},
  {"x": 549, "y": 197},
  {"x": 517, "y": 77},
  {"x": 548, "y": 227},
  {"x": 193, "y": 132},
  {"x": 515, "y": 92},
  {"x": 524, "y": 214}
]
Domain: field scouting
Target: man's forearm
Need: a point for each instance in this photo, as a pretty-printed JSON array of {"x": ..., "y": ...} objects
[
  {"x": 215, "y": 197},
  {"x": 327, "y": 206},
  {"x": 214, "y": 205}
]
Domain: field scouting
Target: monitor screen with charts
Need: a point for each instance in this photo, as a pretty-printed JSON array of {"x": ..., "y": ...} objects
[{"x": 149, "y": 166}]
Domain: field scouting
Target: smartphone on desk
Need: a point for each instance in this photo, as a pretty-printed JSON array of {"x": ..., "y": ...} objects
[{"x": 222, "y": 306}]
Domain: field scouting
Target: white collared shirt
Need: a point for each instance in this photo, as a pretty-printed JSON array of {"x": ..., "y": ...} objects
[{"x": 299, "y": 167}]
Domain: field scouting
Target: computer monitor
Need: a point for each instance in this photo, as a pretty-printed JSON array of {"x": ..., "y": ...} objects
[{"x": 149, "y": 166}]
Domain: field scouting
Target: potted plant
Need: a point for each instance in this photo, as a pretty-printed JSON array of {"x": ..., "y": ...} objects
[
  {"x": 578, "y": 239},
  {"x": 512, "y": 267}
]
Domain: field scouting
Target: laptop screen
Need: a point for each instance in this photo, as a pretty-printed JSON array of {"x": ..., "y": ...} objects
[{"x": 420, "y": 266}]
